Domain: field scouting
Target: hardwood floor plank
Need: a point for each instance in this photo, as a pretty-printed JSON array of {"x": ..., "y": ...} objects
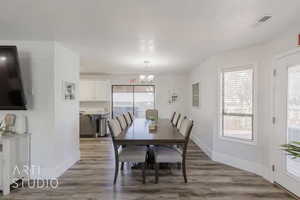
[{"x": 91, "y": 178}]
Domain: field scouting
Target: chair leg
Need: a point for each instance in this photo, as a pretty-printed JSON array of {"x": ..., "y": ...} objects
[
  {"x": 184, "y": 171},
  {"x": 156, "y": 172},
  {"x": 144, "y": 173},
  {"x": 116, "y": 171},
  {"x": 178, "y": 165},
  {"x": 122, "y": 166}
]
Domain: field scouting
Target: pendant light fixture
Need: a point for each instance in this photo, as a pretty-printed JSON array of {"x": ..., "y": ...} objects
[{"x": 146, "y": 78}]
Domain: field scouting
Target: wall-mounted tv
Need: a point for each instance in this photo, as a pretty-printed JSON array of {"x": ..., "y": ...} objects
[{"x": 12, "y": 95}]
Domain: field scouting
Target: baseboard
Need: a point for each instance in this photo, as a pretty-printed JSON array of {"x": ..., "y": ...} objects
[
  {"x": 242, "y": 164},
  {"x": 268, "y": 174},
  {"x": 239, "y": 163},
  {"x": 55, "y": 172},
  {"x": 67, "y": 164},
  {"x": 202, "y": 146}
]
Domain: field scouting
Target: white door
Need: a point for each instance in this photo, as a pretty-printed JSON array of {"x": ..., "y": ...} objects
[{"x": 287, "y": 125}]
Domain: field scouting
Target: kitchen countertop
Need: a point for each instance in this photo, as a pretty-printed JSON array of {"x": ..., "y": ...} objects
[{"x": 94, "y": 112}]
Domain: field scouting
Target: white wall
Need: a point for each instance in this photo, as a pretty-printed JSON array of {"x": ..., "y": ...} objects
[
  {"x": 255, "y": 158},
  {"x": 66, "y": 68},
  {"x": 164, "y": 84},
  {"x": 37, "y": 64}
]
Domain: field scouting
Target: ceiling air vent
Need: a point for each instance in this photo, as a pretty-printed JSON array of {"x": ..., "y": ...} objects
[{"x": 264, "y": 19}]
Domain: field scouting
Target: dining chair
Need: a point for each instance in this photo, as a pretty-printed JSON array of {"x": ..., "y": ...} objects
[
  {"x": 129, "y": 153},
  {"x": 122, "y": 121},
  {"x": 171, "y": 154},
  {"x": 152, "y": 114},
  {"x": 131, "y": 116},
  {"x": 172, "y": 116},
  {"x": 181, "y": 118},
  {"x": 127, "y": 118},
  {"x": 175, "y": 119}
]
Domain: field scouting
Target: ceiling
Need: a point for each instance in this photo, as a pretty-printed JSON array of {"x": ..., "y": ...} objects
[{"x": 117, "y": 36}]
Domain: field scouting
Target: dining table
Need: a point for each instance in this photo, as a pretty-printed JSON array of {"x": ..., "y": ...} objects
[{"x": 138, "y": 133}]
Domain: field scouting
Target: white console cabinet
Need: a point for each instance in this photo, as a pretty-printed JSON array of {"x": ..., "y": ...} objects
[
  {"x": 14, "y": 156},
  {"x": 94, "y": 90}
]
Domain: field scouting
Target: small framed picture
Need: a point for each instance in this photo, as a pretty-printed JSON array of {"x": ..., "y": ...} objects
[
  {"x": 69, "y": 90},
  {"x": 196, "y": 95}
]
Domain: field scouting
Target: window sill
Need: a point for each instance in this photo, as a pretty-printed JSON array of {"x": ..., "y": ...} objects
[{"x": 243, "y": 141}]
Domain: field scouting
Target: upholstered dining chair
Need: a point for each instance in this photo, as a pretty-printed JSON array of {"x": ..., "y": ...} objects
[
  {"x": 121, "y": 119},
  {"x": 130, "y": 153},
  {"x": 172, "y": 117},
  {"x": 175, "y": 119},
  {"x": 128, "y": 118},
  {"x": 152, "y": 114},
  {"x": 170, "y": 154},
  {"x": 181, "y": 118},
  {"x": 131, "y": 116}
]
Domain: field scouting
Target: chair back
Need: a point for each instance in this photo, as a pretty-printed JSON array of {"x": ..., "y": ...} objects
[
  {"x": 131, "y": 116},
  {"x": 175, "y": 119},
  {"x": 122, "y": 121},
  {"x": 172, "y": 117},
  {"x": 128, "y": 118},
  {"x": 181, "y": 118},
  {"x": 114, "y": 128},
  {"x": 185, "y": 130},
  {"x": 152, "y": 114}
]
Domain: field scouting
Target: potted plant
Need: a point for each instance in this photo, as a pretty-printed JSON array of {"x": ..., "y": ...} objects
[
  {"x": 292, "y": 149},
  {"x": 152, "y": 118},
  {"x": 152, "y": 125}
]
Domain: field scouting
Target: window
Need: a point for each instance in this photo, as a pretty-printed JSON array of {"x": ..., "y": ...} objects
[
  {"x": 237, "y": 104},
  {"x": 132, "y": 98}
]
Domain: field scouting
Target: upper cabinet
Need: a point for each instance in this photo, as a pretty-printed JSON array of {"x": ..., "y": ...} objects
[
  {"x": 87, "y": 90},
  {"x": 94, "y": 90}
]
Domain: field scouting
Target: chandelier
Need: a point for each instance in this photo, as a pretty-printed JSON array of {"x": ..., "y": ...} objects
[{"x": 146, "y": 77}]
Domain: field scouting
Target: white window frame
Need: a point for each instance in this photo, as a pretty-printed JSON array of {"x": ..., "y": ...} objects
[{"x": 254, "y": 103}]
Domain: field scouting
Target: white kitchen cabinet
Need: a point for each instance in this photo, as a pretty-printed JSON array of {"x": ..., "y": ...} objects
[
  {"x": 87, "y": 90},
  {"x": 101, "y": 90},
  {"x": 94, "y": 90}
]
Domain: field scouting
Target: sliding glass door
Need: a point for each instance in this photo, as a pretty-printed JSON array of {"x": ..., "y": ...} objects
[
  {"x": 132, "y": 98},
  {"x": 122, "y": 99}
]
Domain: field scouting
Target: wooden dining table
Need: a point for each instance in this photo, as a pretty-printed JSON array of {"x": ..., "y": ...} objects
[{"x": 138, "y": 133}]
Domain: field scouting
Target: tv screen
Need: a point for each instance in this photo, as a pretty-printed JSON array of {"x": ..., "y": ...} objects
[{"x": 11, "y": 89}]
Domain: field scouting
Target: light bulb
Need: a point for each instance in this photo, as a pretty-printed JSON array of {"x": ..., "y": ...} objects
[
  {"x": 142, "y": 77},
  {"x": 150, "y": 77}
]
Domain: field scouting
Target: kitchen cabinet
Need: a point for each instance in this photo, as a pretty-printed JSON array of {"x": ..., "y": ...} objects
[
  {"x": 94, "y": 90},
  {"x": 86, "y": 90}
]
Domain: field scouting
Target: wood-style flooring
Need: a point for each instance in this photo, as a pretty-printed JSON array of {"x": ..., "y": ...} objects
[{"x": 91, "y": 178}]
